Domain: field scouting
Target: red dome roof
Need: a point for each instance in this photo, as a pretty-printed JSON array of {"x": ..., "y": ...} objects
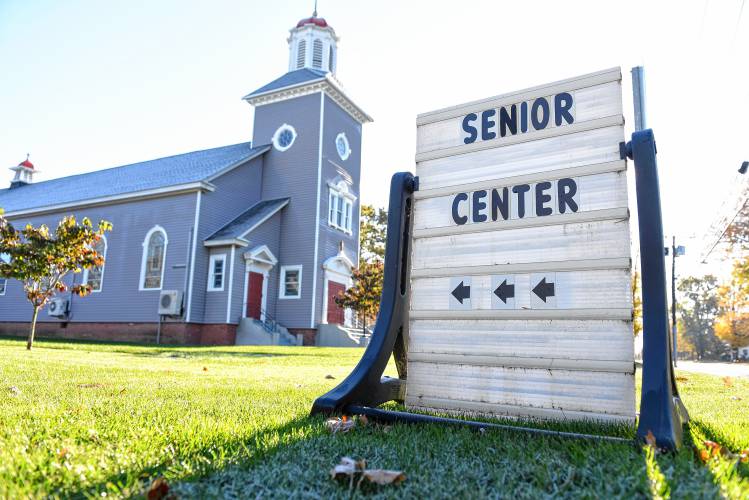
[
  {"x": 26, "y": 163},
  {"x": 317, "y": 21}
]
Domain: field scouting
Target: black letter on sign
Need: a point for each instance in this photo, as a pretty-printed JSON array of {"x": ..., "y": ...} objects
[
  {"x": 470, "y": 129},
  {"x": 478, "y": 206},
  {"x": 487, "y": 124},
  {"x": 502, "y": 204},
  {"x": 520, "y": 190},
  {"x": 562, "y": 106},
  {"x": 524, "y": 117},
  {"x": 540, "y": 124},
  {"x": 459, "y": 220},
  {"x": 542, "y": 198},
  {"x": 566, "y": 190},
  {"x": 508, "y": 121}
]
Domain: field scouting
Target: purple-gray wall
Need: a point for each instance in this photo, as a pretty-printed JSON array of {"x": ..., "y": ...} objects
[{"x": 120, "y": 298}]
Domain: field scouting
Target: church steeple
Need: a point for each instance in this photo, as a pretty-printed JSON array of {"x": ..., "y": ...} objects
[
  {"x": 313, "y": 44},
  {"x": 24, "y": 173}
]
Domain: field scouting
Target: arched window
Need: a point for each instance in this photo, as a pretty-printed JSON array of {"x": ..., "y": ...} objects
[
  {"x": 317, "y": 54},
  {"x": 301, "y": 53},
  {"x": 95, "y": 275},
  {"x": 154, "y": 255}
]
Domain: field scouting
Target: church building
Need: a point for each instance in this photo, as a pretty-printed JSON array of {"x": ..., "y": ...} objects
[{"x": 220, "y": 246}]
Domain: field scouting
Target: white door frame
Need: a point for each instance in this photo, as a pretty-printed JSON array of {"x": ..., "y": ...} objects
[
  {"x": 258, "y": 260},
  {"x": 337, "y": 268}
]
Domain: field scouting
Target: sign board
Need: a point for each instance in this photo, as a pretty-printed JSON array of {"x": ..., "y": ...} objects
[{"x": 521, "y": 300}]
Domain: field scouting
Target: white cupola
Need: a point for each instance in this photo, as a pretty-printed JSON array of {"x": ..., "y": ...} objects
[
  {"x": 24, "y": 173},
  {"x": 313, "y": 44}
]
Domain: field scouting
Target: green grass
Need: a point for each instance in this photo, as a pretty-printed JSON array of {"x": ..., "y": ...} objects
[{"x": 87, "y": 419}]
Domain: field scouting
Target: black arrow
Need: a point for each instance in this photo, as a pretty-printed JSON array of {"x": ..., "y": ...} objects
[
  {"x": 462, "y": 292},
  {"x": 505, "y": 291},
  {"x": 544, "y": 289}
]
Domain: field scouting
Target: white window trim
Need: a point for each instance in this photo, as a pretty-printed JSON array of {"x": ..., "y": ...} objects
[
  {"x": 277, "y": 135},
  {"x": 282, "y": 284},
  {"x": 347, "y": 153},
  {"x": 211, "y": 270},
  {"x": 101, "y": 279},
  {"x": 144, "y": 258},
  {"x": 338, "y": 194}
]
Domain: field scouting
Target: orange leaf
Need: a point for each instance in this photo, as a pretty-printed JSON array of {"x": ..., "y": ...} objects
[
  {"x": 650, "y": 439},
  {"x": 158, "y": 489}
]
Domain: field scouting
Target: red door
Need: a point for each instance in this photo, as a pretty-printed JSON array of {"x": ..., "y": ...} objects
[
  {"x": 335, "y": 312},
  {"x": 254, "y": 295}
]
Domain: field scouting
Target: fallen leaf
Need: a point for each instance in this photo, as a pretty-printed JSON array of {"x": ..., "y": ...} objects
[
  {"x": 703, "y": 455},
  {"x": 205, "y": 368},
  {"x": 735, "y": 398},
  {"x": 650, "y": 439},
  {"x": 347, "y": 468},
  {"x": 714, "y": 448},
  {"x": 330, "y": 377},
  {"x": 90, "y": 386},
  {"x": 63, "y": 453},
  {"x": 363, "y": 420},
  {"x": 383, "y": 476},
  {"x": 158, "y": 489},
  {"x": 744, "y": 456},
  {"x": 122, "y": 391},
  {"x": 336, "y": 424},
  {"x": 681, "y": 378},
  {"x": 14, "y": 390},
  {"x": 728, "y": 381},
  {"x": 93, "y": 435}
]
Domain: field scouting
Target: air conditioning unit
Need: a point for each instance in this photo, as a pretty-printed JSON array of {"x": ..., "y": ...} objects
[
  {"x": 170, "y": 303},
  {"x": 57, "y": 307}
]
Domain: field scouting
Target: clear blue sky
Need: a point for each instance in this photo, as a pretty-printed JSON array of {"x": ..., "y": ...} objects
[{"x": 91, "y": 84}]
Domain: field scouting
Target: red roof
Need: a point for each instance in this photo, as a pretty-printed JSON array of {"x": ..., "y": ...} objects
[
  {"x": 26, "y": 163},
  {"x": 317, "y": 21}
]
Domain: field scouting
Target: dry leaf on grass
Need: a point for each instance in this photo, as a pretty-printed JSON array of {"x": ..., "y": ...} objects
[
  {"x": 350, "y": 469},
  {"x": 330, "y": 377},
  {"x": 728, "y": 381},
  {"x": 159, "y": 489},
  {"x": 205, "y": 368},
  {"x": 337, "y": 424},
  {"x": 681, "y": 378},
  {"x": 735, "y": 398},
  {"x": 383, "y": 476},
  {"x": 714, "y": 450},
  {"x": 90, "y": 386},
  {"x": 14, "y": 390},
  {"x": 650, "y": 439}
]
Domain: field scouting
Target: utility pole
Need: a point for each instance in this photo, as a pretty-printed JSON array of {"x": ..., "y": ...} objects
[{"x": 675, "y": 252}]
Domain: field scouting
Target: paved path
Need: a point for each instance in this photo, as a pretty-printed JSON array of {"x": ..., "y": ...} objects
[{"x": 722, "y": 369}]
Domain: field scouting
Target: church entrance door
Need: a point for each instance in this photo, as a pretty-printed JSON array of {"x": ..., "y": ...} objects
[{"x": 255, "y": 295}]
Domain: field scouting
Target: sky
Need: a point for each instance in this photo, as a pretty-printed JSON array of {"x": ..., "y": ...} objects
[{"x": 88, "y": 84}]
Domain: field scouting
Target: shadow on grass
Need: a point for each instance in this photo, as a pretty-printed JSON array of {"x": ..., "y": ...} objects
[{"x": 239, "y": 452}]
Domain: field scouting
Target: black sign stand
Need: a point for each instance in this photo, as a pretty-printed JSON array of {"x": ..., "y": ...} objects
[{"x": 661, "y": 410}]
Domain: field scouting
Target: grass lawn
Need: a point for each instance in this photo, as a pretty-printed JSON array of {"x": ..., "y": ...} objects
[{"x": 85, "y": 419}]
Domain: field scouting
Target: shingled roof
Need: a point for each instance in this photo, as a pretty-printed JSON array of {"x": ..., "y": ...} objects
[
  {"x": 144, "y": 176},
  {"x": 296, "y": 77},
  {"x": 247, "y": 221}
]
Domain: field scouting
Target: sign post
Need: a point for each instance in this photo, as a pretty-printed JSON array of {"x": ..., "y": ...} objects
[{"x": 508, "y": 271}]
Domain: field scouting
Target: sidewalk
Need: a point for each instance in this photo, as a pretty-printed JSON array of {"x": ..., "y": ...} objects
[{"x": 715, "y": 368}]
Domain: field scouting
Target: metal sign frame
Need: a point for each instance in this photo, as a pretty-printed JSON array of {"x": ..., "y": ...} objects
[{"x": 661, "y": 410}]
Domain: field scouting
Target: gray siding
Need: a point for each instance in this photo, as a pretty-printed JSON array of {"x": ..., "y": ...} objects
[
  {"x": 269, "y": 234},
  {"x": 336, "y": 121},
  {"x": 120, "y": 299},
  {"x": 293, "y": 173},
  {"x": 215, "y": 301},
  {"x": 235, "y": 192}
]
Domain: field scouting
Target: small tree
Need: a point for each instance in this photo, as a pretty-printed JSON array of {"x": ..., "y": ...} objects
[
  {"x": 732, "y": 324},
  {"x": 41, "y": 261},
  {"x": 364, "y": 296},
  {"x": 372, "y": 233}
]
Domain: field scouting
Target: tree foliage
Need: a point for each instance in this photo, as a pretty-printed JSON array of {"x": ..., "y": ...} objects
[
  {"x": 737, "y": 232},
  {"x": 364, "y": 296},
  {"x": 637, "y": 302},
  {"x": 372, "y": 233},
  {"x": 732, "y": 325},
  {"x": 699, "y": 309},
  {"x": 41, "y": 259}
]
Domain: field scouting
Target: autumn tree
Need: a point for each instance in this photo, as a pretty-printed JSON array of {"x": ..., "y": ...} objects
[
  {"x": 699, "y": 309},
  {"x": 732, "y": 324},
  {"x": 372, "y": 233},
  {"x": 364, "y": 296},
  {"x": 637, "y": 302},
  {"x": 41, "y": 260}
]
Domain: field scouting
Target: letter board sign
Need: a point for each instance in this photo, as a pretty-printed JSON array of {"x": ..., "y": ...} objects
[{"x": 521, "y": 300}]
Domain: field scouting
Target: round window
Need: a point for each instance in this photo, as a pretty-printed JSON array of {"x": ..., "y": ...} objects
[
  {"x": 342, "y": 146},
  {"x": 284, "y": 137}
]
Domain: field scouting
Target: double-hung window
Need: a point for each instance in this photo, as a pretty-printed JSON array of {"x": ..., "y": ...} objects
[
  {"x": 217, "y": 267},
  {"x": 340, "y": 208},
  {"x": 291, "y": 282}
]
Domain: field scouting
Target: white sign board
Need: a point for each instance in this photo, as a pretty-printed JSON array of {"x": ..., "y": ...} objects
[{"x": 521, "y": 300}]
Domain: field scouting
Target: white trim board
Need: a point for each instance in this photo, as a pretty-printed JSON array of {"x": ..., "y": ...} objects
[
  {"x": 317, "y": 214},
  {"x": 193, "y": 253}
]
